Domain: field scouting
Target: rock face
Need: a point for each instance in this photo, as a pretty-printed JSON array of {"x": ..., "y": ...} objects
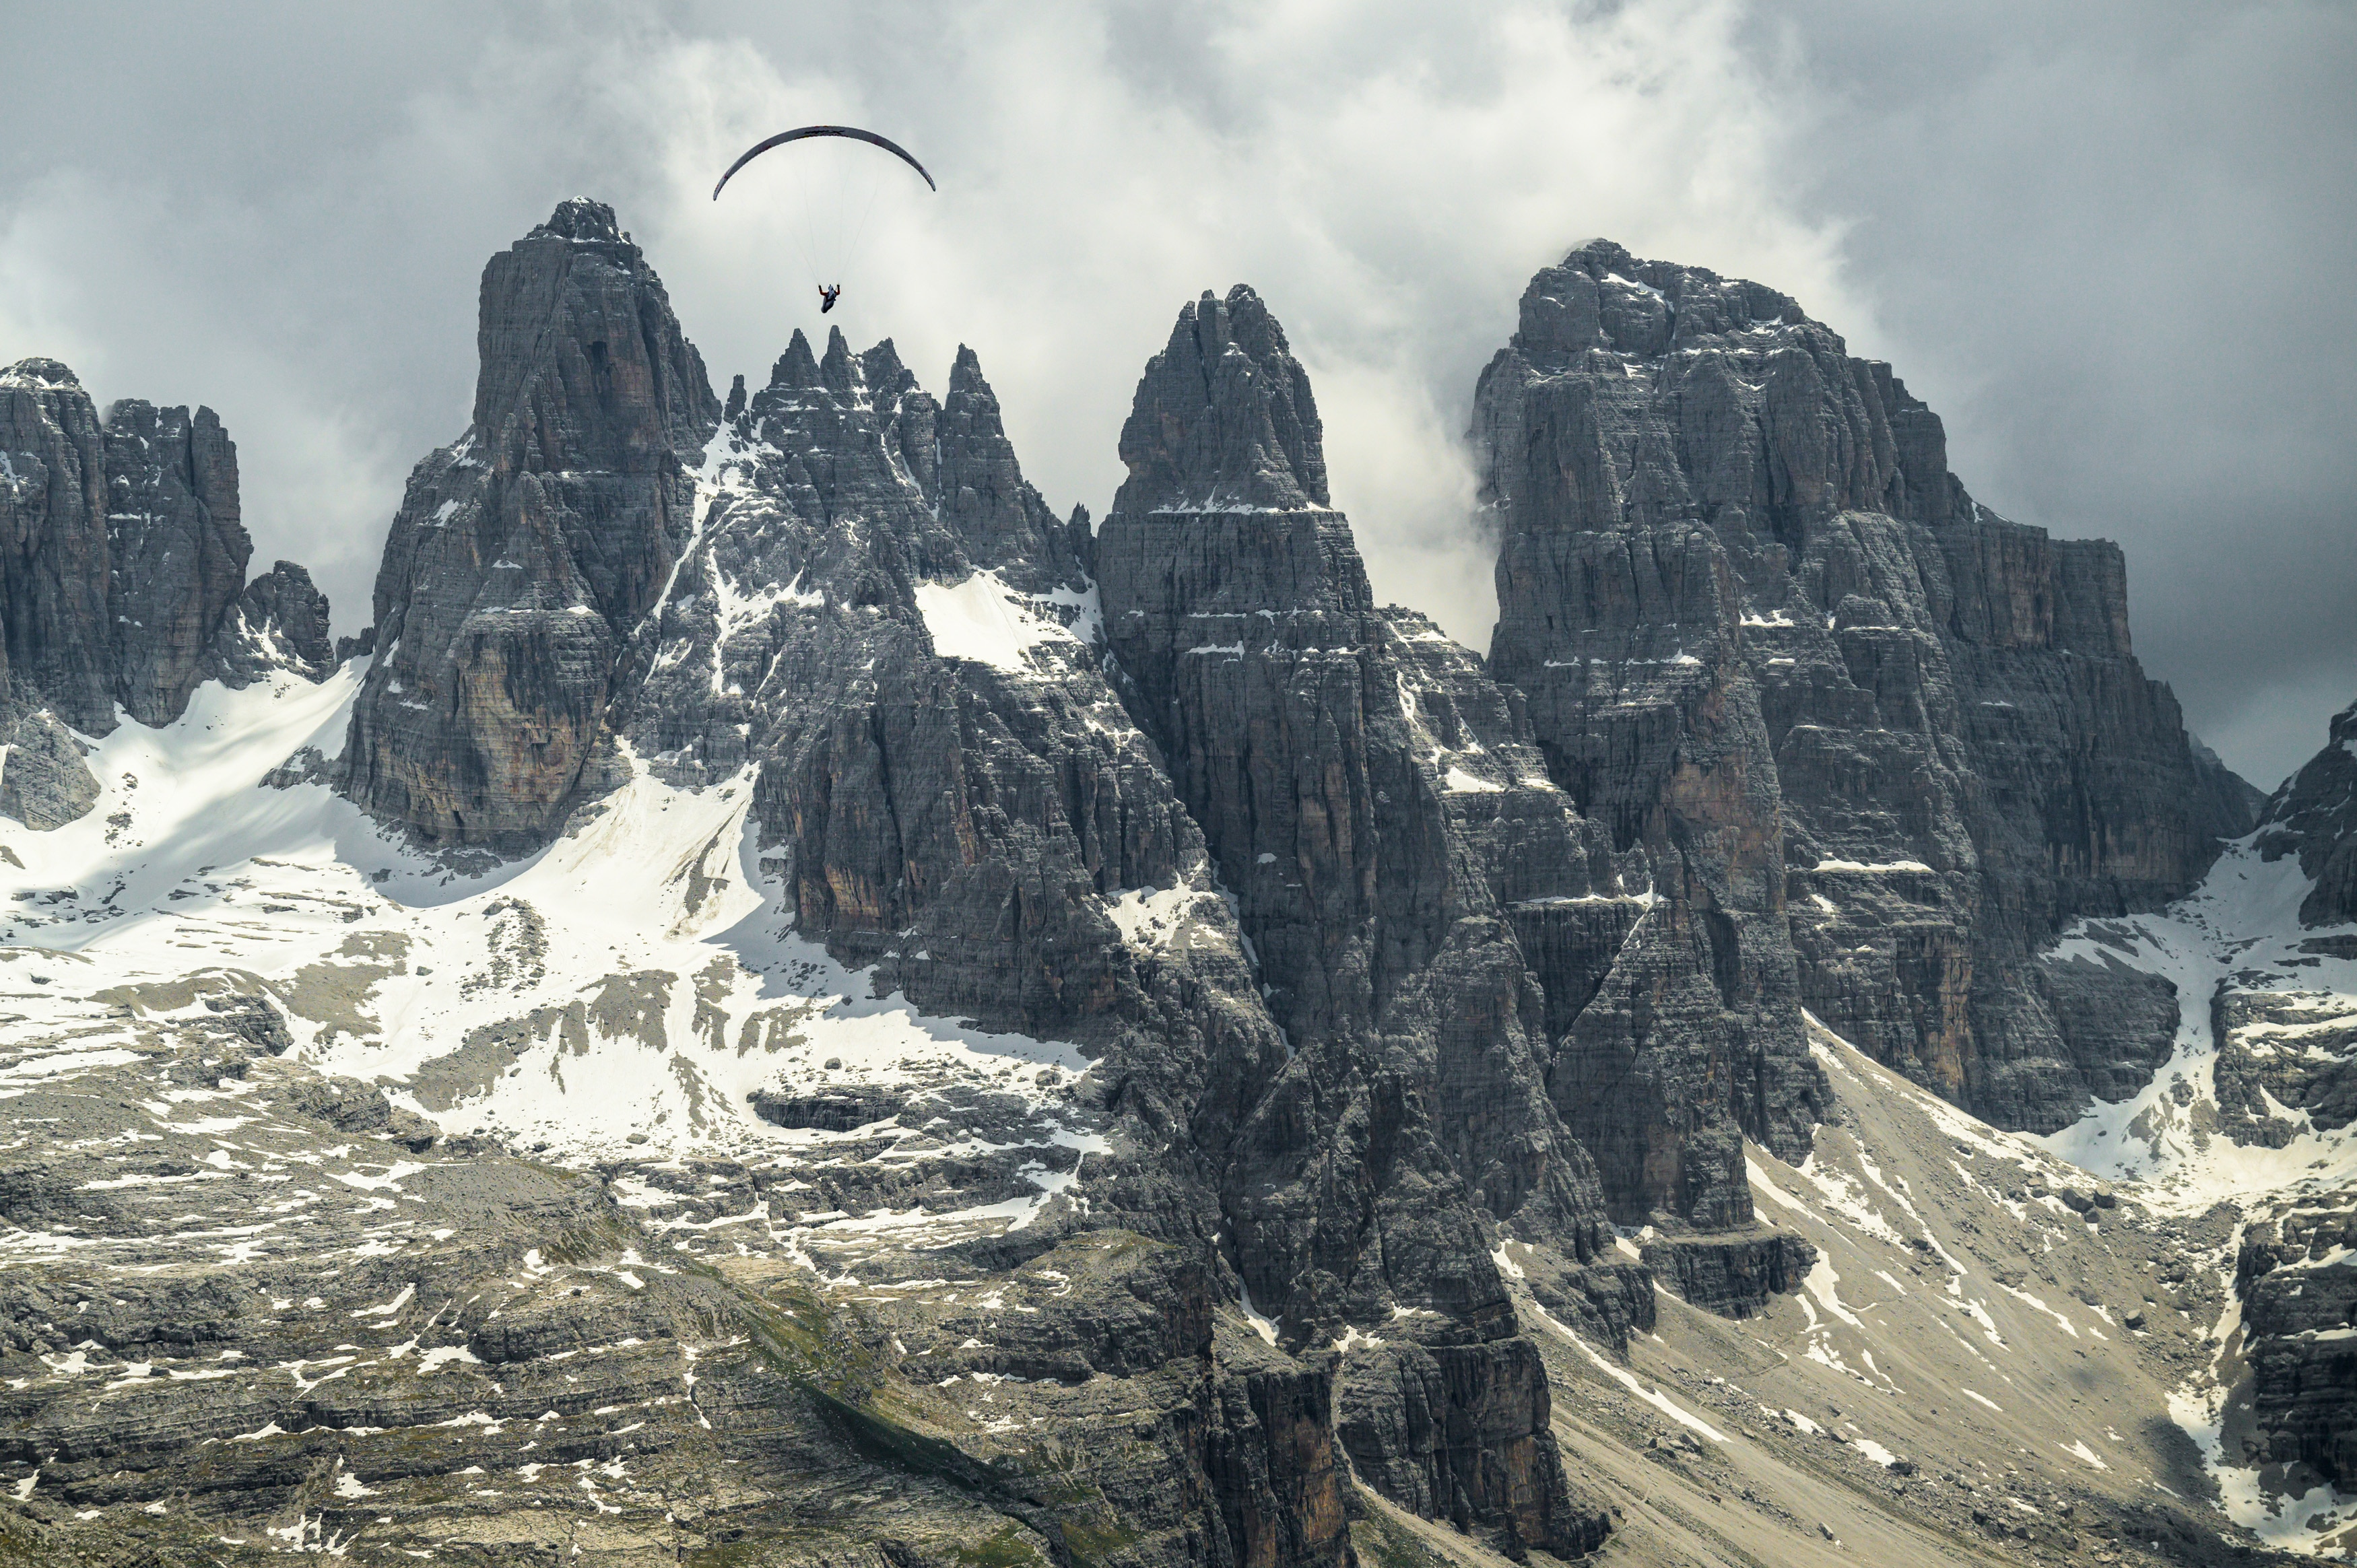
[
  {"x": 525, "y": 556},
  {"x": 1373, "y": 807},
  {"x": 279, "y": 622},
  {"x": 1735, "y": 1277},
  {"x": 122, "y": 580},
  {"x": 1094, "y": 1051},
  {"x": 876, "y": 627},
  {"x": 44, "y": 782},
  {"x": 2286, "y": 1036},
  {"x": 883, "y": 631},
  {"x": 176, "y": 552},
  {"x": 2314, "y": 816},
  {"x": 1880, "y": 742},
  {"x": 2296, "y": 1288},
  {"x": 60, "y": 637}
]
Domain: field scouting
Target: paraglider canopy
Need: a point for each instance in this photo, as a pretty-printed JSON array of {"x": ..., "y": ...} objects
[
  {"x": 851, "y": 131},
  {"x": 828, "y": 217}
]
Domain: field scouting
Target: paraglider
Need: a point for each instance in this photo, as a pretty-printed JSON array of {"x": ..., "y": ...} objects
[
  {"x": 821, "y": 222},
  {"x": 853, "y": 132}
]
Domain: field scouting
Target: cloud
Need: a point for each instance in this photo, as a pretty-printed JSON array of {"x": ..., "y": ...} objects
[
  {"x": 2063, "y": 229},
  {"x": 1387, "y": 175},
  {"x": 2107, "y": 243}
]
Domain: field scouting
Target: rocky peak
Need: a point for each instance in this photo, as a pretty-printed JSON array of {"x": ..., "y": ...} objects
[
  {"x": 1800, "y": 431},
  {"x": 125, "y": 557},
  {"x": 839, "y": 372},
  {"x": 523, "y": 557},
  {"x": 797, "y": 367},
  {"x": 279, "y": 622},
  {"x": 848, "y": 435},
  {"x": 2313, "y": 814},
  {"x": 887, "y": 379},
  {"x": 1225, "y": 510},
  {"x": 584, "y": 365},
  {"x": 1374, "y": 810},
  {"x": 1601, "y": 297},
  {"x": 978, "y": 487},
  {"x": 582, "y": 221},
  {"x": 35, "y": 373},
  {"x": 1736, "y": 572},
  {"x": 1224, "y": 419}
]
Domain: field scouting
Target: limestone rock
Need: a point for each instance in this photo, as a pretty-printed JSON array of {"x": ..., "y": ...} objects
[
  {"x": 882, "y": 625},
  {"x": 1269, "y": 1011},
  {"x": 2314, "y": 815},
  {"x": 1882, "y": 742},
  {"x": 2297, "y": 1285},
  {"x": 177, "y": 550},
  {"x": 43, "y": 783},
  {"x": 124, "y": 584},
  {"x": 1734, "y": 1276},
  {"x": 1376, "y": 811},
  {"x": 1223, "y": 420},
  {"x": 524, "y": 555},
  {"x": 279, "y": 622},
  {"x": 53, "y": 569}
]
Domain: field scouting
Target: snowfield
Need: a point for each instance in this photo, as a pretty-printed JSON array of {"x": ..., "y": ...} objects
[
  {"x": 624, "y": 991},
  {"x": 635, "y": 995}
]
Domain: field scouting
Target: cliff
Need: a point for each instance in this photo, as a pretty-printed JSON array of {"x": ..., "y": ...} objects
[
  {"x": 524, "y": 554},
  {"x": 123, "y": 561},
  {"x": 1891, "y": 742}
]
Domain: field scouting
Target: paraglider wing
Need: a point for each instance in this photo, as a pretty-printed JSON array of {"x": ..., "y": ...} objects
[{"x": 853, "y": 132}]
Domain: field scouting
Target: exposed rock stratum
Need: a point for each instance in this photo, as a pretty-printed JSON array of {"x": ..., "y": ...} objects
[{"x": 787, "y": 1003}]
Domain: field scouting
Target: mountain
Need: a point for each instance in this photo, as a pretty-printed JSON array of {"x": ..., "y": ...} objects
[
  {"x": 786, "y": 1001},
  {"x": 524, "y": 555},
  {"x": 1892, "y": 742},
  {"x": 122, "y": 580}
]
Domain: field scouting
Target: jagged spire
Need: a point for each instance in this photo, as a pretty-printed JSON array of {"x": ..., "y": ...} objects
[
  {"x": 797, "y": 367},
  {"x": 983, "y": 496},
  {"x": 1223, "y": 417},
  {"x": 840, "y": 369}
]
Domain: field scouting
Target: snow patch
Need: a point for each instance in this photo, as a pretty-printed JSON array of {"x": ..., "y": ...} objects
[{"x": 984, "y": 620}]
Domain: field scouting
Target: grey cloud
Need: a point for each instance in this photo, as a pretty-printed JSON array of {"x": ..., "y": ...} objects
[
  {"x": 2110, "y": 243},
  {"x": 2089, "y": 237}
]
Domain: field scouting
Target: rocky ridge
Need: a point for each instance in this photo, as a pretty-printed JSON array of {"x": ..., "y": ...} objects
[
  {"x": 122, "y": 581},
  {"x": 987, "y": 1042}
]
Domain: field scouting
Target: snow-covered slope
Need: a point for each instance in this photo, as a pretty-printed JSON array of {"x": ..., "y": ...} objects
[
  {"x": 628, "y": 990},
  {"x": 2240, "y": 934},
  {"x": 2267, "y": 1008}
]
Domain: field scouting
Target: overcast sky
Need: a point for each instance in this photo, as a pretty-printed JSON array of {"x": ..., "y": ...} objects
[{"x": 2110, "y": 243}]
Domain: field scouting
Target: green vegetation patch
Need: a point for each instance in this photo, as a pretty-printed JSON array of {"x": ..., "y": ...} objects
[{"x": 1009, "y": 1546}]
